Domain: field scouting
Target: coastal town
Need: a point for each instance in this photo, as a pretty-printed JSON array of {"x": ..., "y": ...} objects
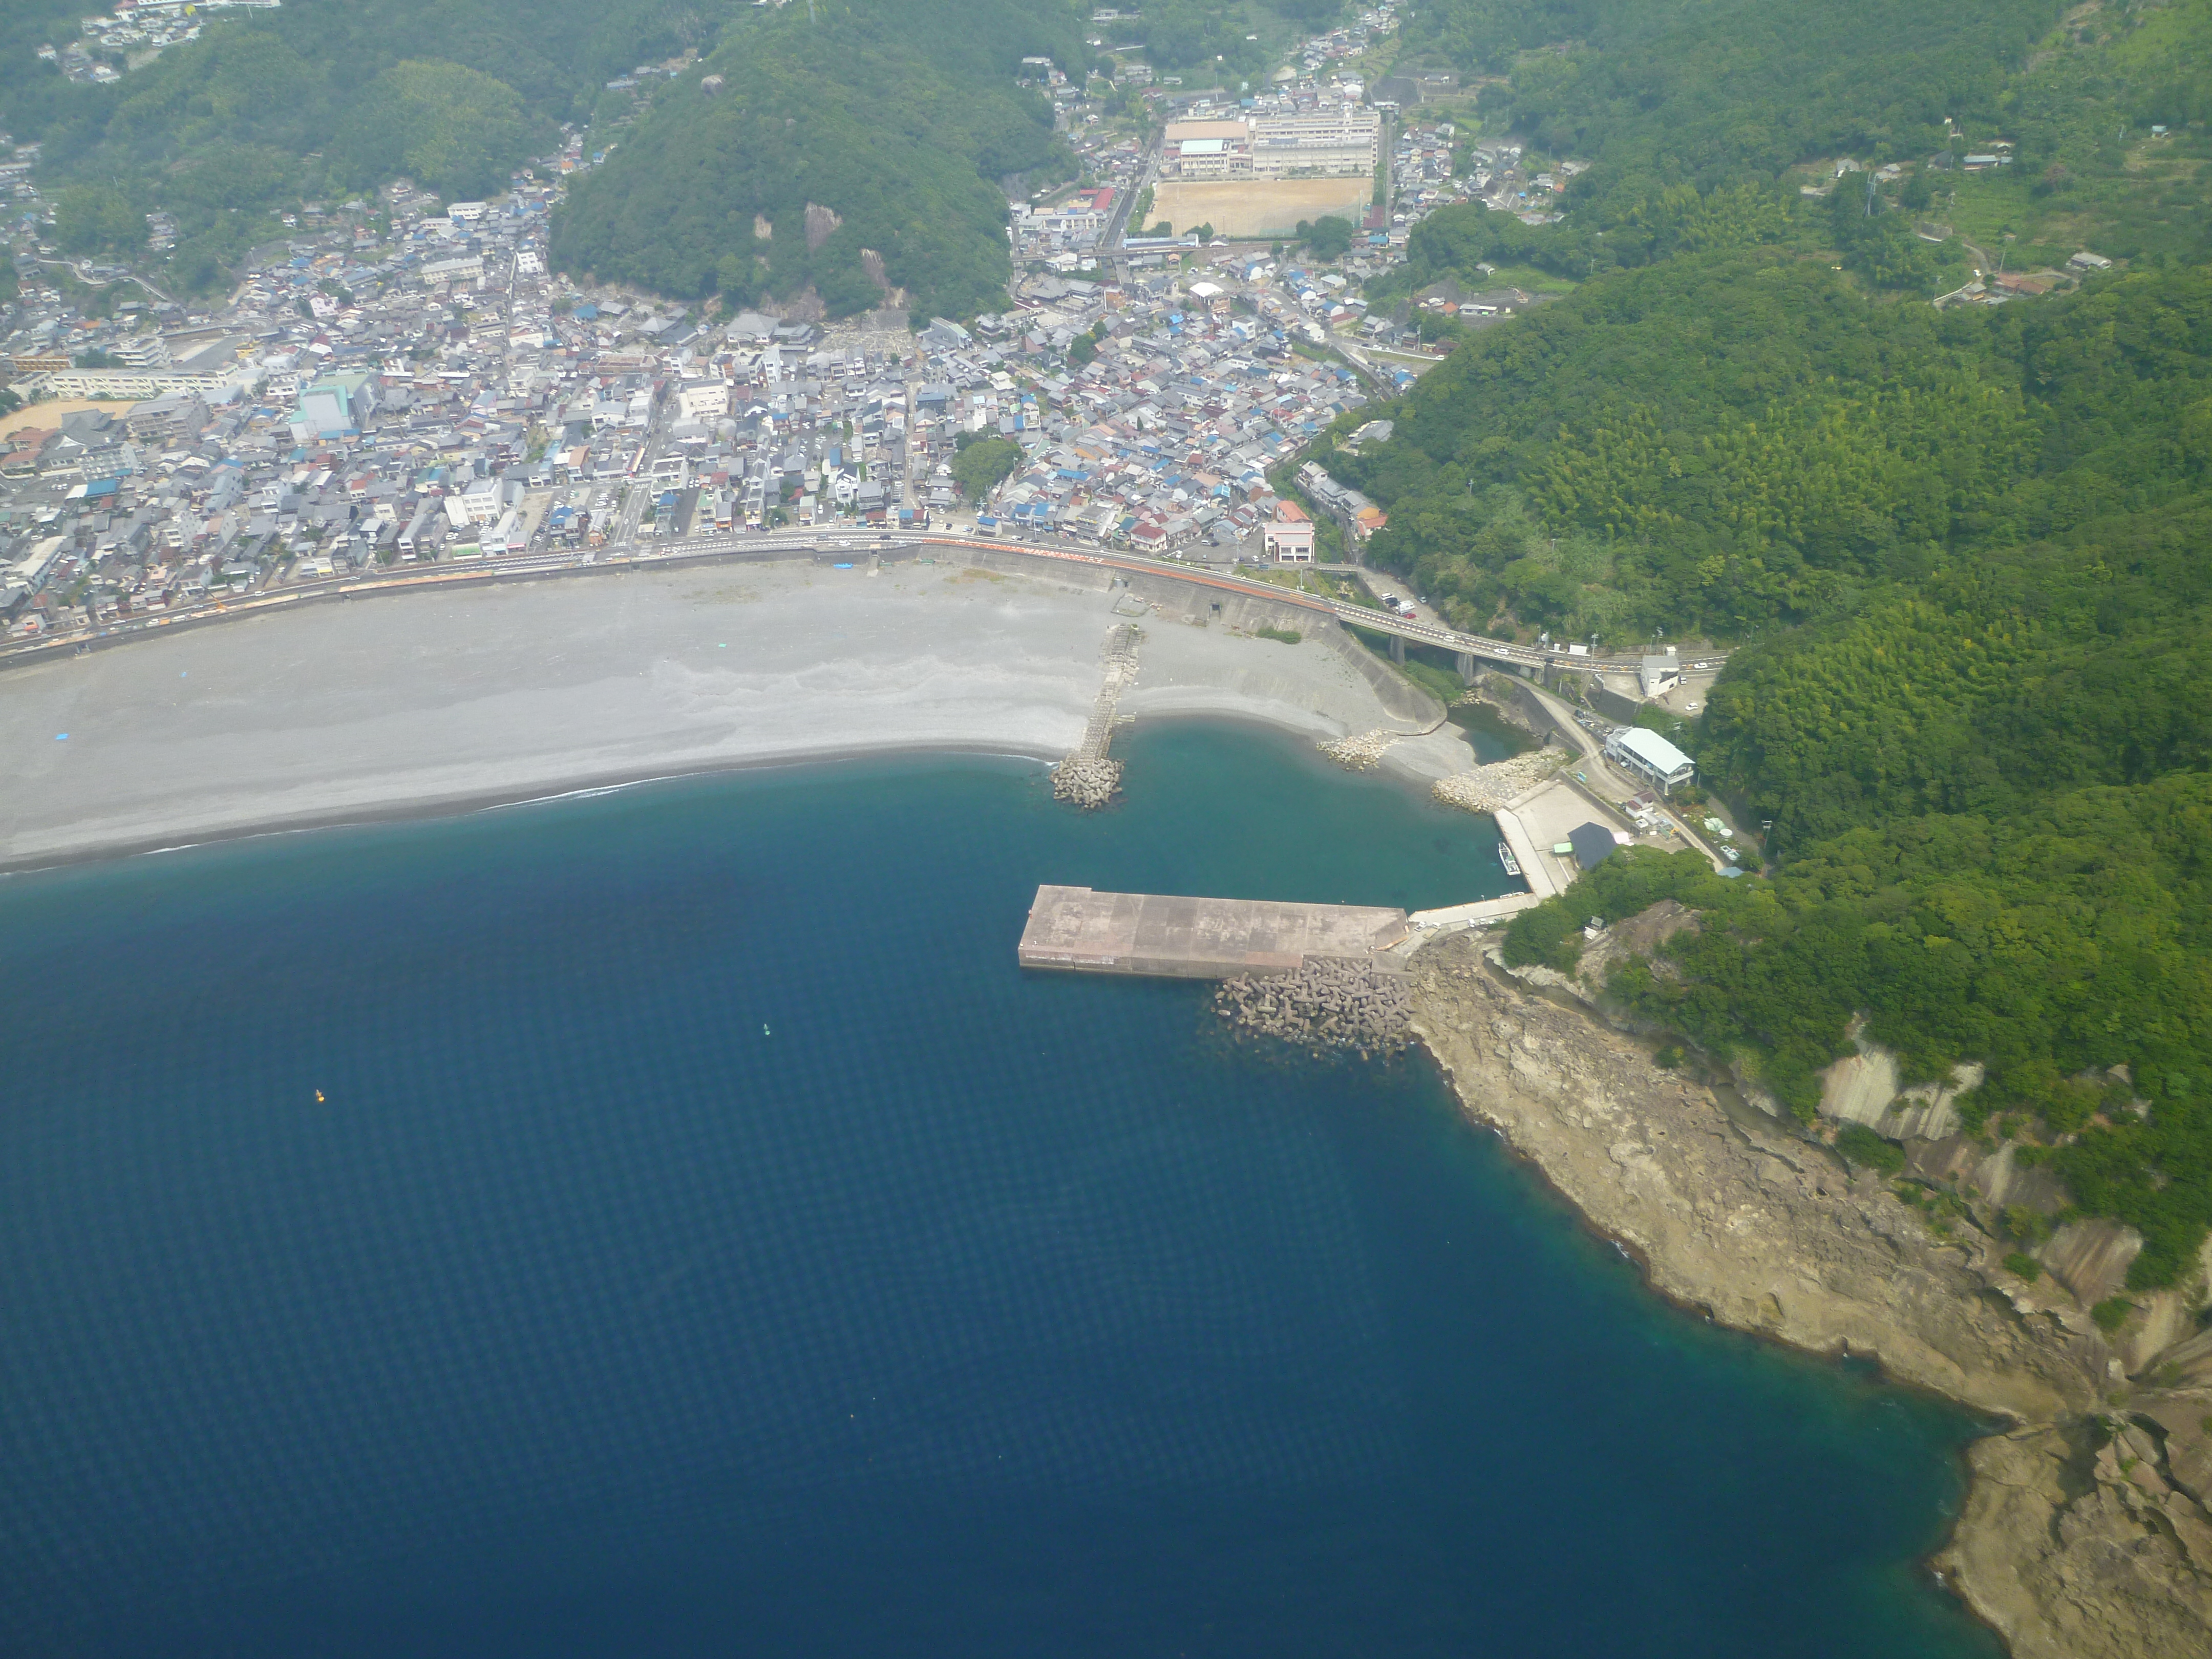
[
  {"x": 1730, "y": 748},
  {"x": 403, "y": 382}
]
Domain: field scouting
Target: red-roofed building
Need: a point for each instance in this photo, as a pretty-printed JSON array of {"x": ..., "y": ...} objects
[{"x": 1289, "y": 537}]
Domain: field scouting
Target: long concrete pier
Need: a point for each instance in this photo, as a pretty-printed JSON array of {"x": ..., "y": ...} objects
[{"x": 1151, "y": 933}]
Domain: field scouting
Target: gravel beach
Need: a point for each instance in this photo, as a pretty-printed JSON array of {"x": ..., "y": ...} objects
[{"x": 428, "y": 701}]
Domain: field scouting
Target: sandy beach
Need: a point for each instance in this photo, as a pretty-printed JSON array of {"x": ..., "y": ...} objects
[{"x": 428, "y": 702}]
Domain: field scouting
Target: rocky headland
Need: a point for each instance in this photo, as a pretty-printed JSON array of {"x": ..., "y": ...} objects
[{"x": 2086, "y": 1533}]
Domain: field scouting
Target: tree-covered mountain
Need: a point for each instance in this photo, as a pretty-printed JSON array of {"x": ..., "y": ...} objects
[
  {"x": 322, "y": 97},
  {"x": 1976, "y": 736},
  {"x": 1677, "y": 102},
  {"x": 894, "y": 116},
  {"x": 1961, "y": 552}
]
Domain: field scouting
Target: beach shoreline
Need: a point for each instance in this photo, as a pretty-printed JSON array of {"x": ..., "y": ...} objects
[
  {"x": 431, "y": 809},
  {"x": 495, "y": 695}
]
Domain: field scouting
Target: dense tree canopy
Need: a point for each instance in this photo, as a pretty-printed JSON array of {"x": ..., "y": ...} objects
[
  {"x": 1980, "y": 742},
  {"x": 897, "y": 118},
  {"x": 1961, "y": 552},
  {"x": 978, "y": 466},
  {"x": 97, "y": 219},
  {"x": 324, "y": 96},
  {"x": 450, "y": 128},
  {"x": 895, "y": 115}
]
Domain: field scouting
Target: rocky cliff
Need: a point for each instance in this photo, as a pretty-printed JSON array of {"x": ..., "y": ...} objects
[{"x": 2085, "y": 1532}]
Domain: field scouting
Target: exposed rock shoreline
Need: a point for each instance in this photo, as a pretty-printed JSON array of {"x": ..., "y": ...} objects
[{"x": 2085, "y": 1534}]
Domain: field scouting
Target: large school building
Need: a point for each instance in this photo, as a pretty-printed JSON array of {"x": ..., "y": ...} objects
[{"x": 1322, "y": 144}]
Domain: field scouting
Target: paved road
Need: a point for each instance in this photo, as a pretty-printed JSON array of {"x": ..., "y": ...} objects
[
  {"x": 1109, "y": 245},
  {"x": 82, "y": 271},
  {"x": 635, "y": 550}
]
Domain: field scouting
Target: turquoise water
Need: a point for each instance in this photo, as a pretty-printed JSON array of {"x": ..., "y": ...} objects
[{"x": 707, "y": 1240}]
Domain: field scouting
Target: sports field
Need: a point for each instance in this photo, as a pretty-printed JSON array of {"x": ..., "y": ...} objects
[{"x": 1257, "y": 207}]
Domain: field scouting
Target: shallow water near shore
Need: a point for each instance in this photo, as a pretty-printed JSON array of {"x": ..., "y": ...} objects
[{"x": 668, "y": 1222}]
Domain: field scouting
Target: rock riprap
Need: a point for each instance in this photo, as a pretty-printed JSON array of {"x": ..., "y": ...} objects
[
  {"x": 1088, "y": 778},
  {"x": 1329, "y": 1004},
  {"x": 1487, "y": 788},
  {"x": 1363, "y": 752}
]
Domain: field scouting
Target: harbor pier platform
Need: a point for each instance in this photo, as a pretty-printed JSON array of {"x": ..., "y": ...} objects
[{"x": 1155, "y": 934}]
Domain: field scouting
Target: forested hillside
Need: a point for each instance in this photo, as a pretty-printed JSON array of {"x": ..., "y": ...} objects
[
  {"x": 1694, "y": 113},
  {"x": 1961, "y": 552},
  {"x": 894, "y": 114},
  {"x": 897, "y": 115},
  {"x": 320, "y": 97}
]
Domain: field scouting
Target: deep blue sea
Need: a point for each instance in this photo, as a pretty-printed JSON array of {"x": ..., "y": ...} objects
[{"x": 668, "y": 1223}]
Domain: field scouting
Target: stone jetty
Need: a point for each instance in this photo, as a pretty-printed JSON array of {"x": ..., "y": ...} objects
[
  {"x": 1488, "y": 788},
  {"x": 1328, "y": 1004},
  {"x": 1363, "y": 752},
  {"x": 1088, "y": 778}
]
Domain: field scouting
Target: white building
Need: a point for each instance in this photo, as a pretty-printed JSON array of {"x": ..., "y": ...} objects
[
  {"x": 506, "y": 535},
  {"x": 1662, "y": 674},
  {"x": 1325, "y": 144},
  {"x": 482, "y": 503},
  {"x": 133, "y": 385},
  {"x": 703, "y": 397},
  {"x": 1330, "y": 143},
  {"x": 468, "y": 270},
  {"x": 1289, "y": 539},
  {"x": 1207, "y": 150},
  {"x": 1650, "y": 756}
]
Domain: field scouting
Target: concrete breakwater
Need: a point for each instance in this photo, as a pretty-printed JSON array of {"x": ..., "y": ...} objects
[
  {"x": 1180, "y": 938},
  {"x": 1327, "y": 1004},
  {"x": 1089, "y": 778}
]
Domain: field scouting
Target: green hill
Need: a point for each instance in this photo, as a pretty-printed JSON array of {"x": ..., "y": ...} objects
[
  {"x": 1960, "y": 551},
  {"x": 894, "y": 115},
  {"x": 322, "y": 97}
]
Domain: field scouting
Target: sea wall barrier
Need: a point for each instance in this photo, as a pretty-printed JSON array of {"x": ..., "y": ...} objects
[
  {"x": 1173, "y": 937},
  {"x": 539, "y": 566}
]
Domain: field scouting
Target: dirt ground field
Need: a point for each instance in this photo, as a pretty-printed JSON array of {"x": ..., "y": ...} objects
[
  {"x": 49, "y": 415},
  {"x": 1257, "y": 207}
]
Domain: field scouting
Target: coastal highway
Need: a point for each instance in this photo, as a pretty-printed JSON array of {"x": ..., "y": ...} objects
[{"x": 858, "y": 543}]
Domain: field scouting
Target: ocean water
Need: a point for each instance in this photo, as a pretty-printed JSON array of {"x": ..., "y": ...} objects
[{"x": 669, "y": 1223}]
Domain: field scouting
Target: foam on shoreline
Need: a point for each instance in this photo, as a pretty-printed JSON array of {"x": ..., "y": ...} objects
[{"x": 496, "y": 696}]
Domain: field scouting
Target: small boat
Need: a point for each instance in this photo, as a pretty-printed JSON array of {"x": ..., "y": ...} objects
[{"x": 1505, "y": 856}]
